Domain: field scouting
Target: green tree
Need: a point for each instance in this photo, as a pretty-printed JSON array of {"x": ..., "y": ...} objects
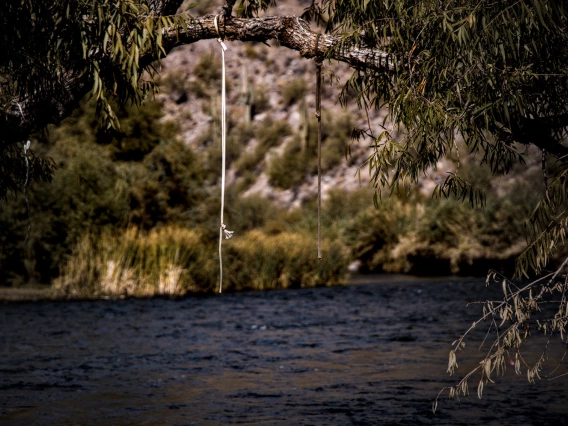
[{"x": 492, "y": 74}]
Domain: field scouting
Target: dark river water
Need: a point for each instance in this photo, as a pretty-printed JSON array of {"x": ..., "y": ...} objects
[{"x": 372, "y": 353}]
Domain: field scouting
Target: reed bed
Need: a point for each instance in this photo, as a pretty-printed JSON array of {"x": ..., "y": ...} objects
[{"x": 175, "y": 261}]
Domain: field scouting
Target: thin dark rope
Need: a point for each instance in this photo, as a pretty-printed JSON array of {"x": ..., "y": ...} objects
[
  {"x": 543, "y": 165},
  {"x": 26, "y": 148},
  {"x": 318, "y": 62}
]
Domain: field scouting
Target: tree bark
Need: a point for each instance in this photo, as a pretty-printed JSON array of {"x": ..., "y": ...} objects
[{"x": 290, "y": 31}]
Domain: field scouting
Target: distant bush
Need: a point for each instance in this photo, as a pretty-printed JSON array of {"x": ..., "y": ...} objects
[
  {"x": 208, "y": 68},
  {"x": 298, "y": 160},
  {"x": 268, "y": 134},
  {"x": 99, "y": 182},
  {"x": 85, "y": 193},
  {"x": 260, "y": 100},
  {"x": 437, "y": 236},
  {"x": 289, "y": 169},
  {"x": 173, "y": 82},
  {"x": 166, "y": 187},
  {"x": 207, "y": 74},
  {"x": 294, "y": 90}
]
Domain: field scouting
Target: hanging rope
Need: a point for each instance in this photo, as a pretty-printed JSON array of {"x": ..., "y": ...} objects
[
  {"x": 26, "y": 148},
  {"x": 318, "y": 62},
  {"x": 223, "y": 228}
]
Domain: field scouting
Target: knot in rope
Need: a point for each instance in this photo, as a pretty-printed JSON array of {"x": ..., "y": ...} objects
[
  {"x": 228, "y": 234},
  {"x": 220, "y": 38}
]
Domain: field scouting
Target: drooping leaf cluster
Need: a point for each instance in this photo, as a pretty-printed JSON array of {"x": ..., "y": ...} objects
[
  {"x": 52, "y": 43},
  {"x": 493, "y": 74},
  {"x": 250, "y": 8}
]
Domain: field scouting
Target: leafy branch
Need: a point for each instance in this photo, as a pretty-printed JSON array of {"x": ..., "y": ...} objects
[{"x": 512, "y": 320}]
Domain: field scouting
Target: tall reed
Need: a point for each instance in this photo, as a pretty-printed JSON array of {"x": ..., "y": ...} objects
[{"x": 175, "y": 261}]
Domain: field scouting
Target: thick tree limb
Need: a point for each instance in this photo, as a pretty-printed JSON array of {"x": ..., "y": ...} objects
[
  {"x": 24, "y": 117},
  {"x": 291, "y": 31}
]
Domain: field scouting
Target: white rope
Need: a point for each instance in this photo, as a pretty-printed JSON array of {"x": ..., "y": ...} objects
[{"x": 223, "y": 228}]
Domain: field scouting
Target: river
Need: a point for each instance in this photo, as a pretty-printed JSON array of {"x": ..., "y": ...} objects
[{"x": 370, "y": 353}]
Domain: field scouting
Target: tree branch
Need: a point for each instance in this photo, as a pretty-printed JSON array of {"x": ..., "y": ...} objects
[
  {"x": 291, "y": 31},
  {"x": 26, "y": 116}
]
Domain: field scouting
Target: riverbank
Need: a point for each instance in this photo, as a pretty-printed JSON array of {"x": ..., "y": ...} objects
[
  {"x": 32, "y": 294},
  {"x": 24, "y": 294}
]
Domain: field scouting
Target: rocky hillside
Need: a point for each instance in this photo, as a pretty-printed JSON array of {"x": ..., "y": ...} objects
[{"x": 271, "y": 106}]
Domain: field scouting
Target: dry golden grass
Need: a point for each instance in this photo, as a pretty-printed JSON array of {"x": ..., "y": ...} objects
[{"x": 174, "y": 261}]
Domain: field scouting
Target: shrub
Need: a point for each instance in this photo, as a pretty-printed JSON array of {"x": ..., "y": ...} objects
[
  {"x": 289, "y": 169},
  {"x": 271, "y": 133},
  {"x": 287, "y": 260},
  {"x": 293, "y": 91},
  {"x": 268, "y": 135},
  {"x": 260, "y": 100}
]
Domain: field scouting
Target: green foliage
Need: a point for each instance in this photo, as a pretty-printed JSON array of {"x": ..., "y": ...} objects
[
  {"x": 250, "y": 8},
  {"x": 140, "y": 132},
  {"x": 167, "y": 187},
  {"x": 18, "y": 168},
  {"x": 198, "y": 8},
  {"x": 491, "y": 73},
  {"x": 207, "y": 72},
  {"x": 49, "y": 48},
  {"x": 102, "y": 39},
  {"x": 285, "y": 260},
  {"x": 170, "y": 261},
  {"x": 237, "y": 139},
  {"x": 84, "y": 194},
  {"x": 336, "y": 137},
  {"x": 268, "y": 135},
  {"x": 260, "y": 101},
  {"x": 288, "y": 170},
  {"x": 547, "y": 227},
  {"x": 298, "y": 161},
  {"x": 513, "y": 319},
  {"x": 93, "y": 188}
]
